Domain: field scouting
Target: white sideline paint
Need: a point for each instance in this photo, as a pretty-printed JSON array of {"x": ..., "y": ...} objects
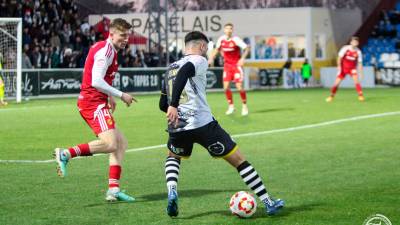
[{"x": 327, "y": 123}]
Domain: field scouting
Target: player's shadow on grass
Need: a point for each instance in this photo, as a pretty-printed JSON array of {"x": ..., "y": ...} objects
[
  {"x": 182, "y": 194},
  {"x": 272, "y": 110},
  {"x": 106, "y": 203},
  {"x": 376, "y": 99},
  {"x": 260, "y": 213},
  {"x": 163, "y": 196}
]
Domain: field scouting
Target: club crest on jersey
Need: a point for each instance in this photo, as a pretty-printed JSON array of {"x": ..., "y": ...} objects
[{"x": 109, "y": 121}]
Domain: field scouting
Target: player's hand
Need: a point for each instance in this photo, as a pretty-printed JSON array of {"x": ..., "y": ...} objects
[
  {"x": 128, "y": 99},
  {"x": 240, "y": 62},
  {"x": 172, "y": 115},
  {"x": 112, "y": 104},
  {"x": 211, "y": 62}
]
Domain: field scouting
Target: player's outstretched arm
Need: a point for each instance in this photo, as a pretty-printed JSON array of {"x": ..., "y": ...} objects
[
  {"x": 127, "y": 98},
  {"x": 244, "y": 55},
  {"x": 99, "y": 70},
  {"x": 213, "y": 54},
  {"x": 163, "y": 103},
  {"x": 100, "y": 66},
  {"x": 338, "y": 62}
]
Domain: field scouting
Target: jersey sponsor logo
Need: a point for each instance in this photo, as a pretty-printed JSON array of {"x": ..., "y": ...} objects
[
  {"x": 351, "y": 58},
  {"x": 216, "y": 148},
  {"x": 176, "y": 150},
  {"x": 228, "y": 49}
]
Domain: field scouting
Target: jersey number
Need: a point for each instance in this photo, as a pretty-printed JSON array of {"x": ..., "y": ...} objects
[{"x": 171, "y": 77}]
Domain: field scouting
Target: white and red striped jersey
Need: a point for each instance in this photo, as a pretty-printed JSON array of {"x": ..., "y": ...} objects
[
  {"x": 230, "y": 48},
  {"x": 350, "y": 57},
  {"x": 100, "y": 68}
]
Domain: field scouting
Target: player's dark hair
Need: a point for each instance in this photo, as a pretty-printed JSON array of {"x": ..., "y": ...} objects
[
  {"x": 228, "y": 24},
  {"x": 354, "y": 38},
  {"x": 120, "y": 24},
  {"x": 195, "y": 35}
]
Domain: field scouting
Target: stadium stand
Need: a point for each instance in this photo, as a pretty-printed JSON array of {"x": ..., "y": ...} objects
[
  {"x": 382, "y": 49},
  {"x": 56, "y": 35}
]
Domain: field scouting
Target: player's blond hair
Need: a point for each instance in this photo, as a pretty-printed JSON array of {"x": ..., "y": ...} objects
[{"x": 120, "y": 24}]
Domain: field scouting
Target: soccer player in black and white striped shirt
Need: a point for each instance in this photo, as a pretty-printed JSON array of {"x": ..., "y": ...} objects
[{"x": 190, "y": 121}]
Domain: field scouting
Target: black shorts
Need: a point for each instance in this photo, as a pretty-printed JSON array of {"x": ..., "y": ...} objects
[{"x": 211, "y": 136}]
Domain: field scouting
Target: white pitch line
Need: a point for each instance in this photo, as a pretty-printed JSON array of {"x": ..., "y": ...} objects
[
  {"x": 327, "y": 123},
  {"x": 318, "y": 124}
]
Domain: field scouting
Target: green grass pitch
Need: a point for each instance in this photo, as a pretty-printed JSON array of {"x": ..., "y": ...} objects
[{"x": 338, "y": 173}]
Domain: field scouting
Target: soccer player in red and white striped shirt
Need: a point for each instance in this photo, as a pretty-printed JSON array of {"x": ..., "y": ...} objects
[
  {"x": 350, "y": 57},
  {"x": 96, "y": 104},
  {"x": 231, "y": 47}
]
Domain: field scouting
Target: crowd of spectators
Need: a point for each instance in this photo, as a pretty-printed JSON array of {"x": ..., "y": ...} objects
[
  {"x": 124, "y": 6},
  {"x": 55, "y": 37}
]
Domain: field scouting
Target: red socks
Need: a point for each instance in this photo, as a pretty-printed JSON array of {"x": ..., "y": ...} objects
[
  {"x": 114, "y": 176},
  {"x": 228, "y": 94},
  {"x": 359, "y": 90},
  {"x": 80, "y": 150},
  {"x": 243, "y": 96},
  {"x": 333, "y": 90}
]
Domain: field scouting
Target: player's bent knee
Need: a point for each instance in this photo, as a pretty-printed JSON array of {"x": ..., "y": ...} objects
[{"x": 112, "y": 147}]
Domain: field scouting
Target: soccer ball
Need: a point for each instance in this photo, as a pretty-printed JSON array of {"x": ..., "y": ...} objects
[{"x": 243, "y": 204}]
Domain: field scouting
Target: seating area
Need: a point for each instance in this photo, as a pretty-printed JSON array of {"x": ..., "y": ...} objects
[{"x": 383, "y": 47}]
